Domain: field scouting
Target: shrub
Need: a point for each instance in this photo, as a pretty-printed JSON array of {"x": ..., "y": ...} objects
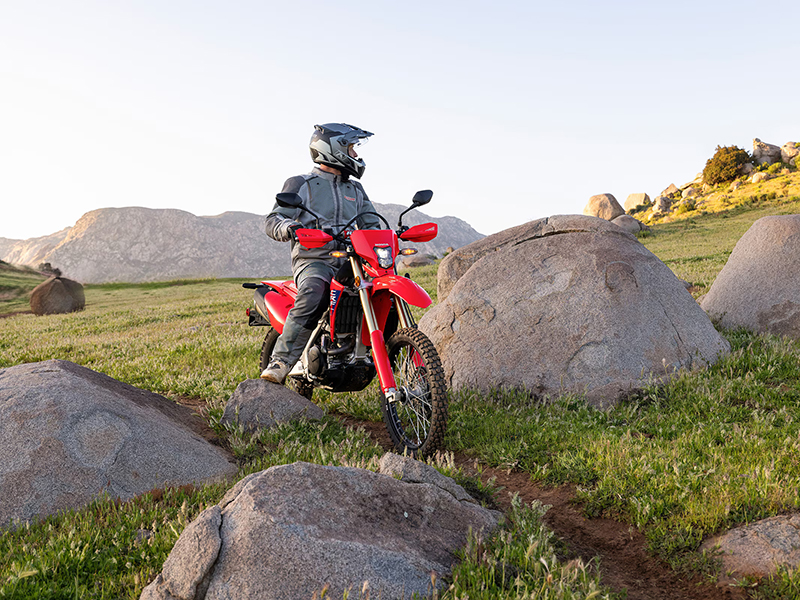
[
  {"x": 725, "y": 164},
  {"x": 775, "y": 167},
  {"x": 687, "y": 206}
]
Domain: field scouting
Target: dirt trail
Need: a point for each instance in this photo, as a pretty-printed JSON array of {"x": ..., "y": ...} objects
[{"x": 625, "y": 563}]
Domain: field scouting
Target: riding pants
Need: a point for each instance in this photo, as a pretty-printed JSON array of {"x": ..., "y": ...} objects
[{"x": 313, "y": 297}]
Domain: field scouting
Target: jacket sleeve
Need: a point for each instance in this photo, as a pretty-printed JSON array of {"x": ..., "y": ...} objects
[
  {"x": 367, "y": 221},
  {"x": 277, "y": 223}
]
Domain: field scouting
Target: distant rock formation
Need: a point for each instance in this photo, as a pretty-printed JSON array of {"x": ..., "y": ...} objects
[
  {"x": 789, "y": 153},
  {"x": 629, "y": 224},
  {"x": 765, "y": 154},
  {"x": 32, "y": 251},
  {"x": 604, "y": 206},
  {"x": 634, "y": 200},
  {"x": 142, "y": 244}
]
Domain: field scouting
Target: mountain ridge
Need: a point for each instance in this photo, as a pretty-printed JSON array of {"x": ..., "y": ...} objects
[{"x": 136, "y": 244}]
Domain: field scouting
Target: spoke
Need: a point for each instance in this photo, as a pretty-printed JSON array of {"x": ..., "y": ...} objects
[{"x": 414, "y": 413}]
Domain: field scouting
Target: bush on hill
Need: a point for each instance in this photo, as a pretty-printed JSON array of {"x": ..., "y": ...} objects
[{"x": 725, "y": 164}]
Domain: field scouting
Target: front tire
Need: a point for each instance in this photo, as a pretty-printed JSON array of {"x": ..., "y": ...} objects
[
  {"x": 418, "y": 422},
  {"x": 301, "y": 386}
]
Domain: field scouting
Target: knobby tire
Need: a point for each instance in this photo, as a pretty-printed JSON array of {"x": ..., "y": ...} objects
[{"x": 417, "y": 423}]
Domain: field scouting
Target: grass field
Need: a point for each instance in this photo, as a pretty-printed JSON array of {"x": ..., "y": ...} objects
[
  {"x": 710, "y": 450},
  {"x": 16, "y": 284}
]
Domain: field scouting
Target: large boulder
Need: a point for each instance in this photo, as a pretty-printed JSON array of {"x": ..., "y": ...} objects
[
  {"x": 759, "y": 286},
  {"x": 789, "y": 152},
  {"x": 57, "y": 295},
  {"x": 453, "y": 266},
  {"x": 765, "y": 154},
  {"x": 578, "y": 305},
  {"x": 758, "y": 549},
  {"x": 634, "y": 200},
  {"x": 604, "y": 206},
  {"x": 257, "y": 403},
  {"x": 290, "y": 531},
  {"x": 68, "y": 434}
]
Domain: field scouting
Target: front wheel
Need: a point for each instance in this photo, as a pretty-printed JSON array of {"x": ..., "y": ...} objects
[
  {"x": 418, "y": 420},
  {"x": 301, "y": 386}
]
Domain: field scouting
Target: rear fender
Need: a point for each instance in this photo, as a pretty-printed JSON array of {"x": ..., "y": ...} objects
[{"x": 274, "y": 300}]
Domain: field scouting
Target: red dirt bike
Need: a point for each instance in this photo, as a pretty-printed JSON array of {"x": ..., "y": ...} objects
[{"x": 367, "y": 329}]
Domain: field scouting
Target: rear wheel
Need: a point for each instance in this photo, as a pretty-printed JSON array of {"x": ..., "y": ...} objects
[
  {"x": 301, "y": 386},
  {"x": 418, "y": 420}
]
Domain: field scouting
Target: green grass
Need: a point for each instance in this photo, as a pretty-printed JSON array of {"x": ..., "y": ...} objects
[
  {"x": 710, "y": 450},
  {"x": 697, "y": 248},
  {"x": 16, "y": 284}
]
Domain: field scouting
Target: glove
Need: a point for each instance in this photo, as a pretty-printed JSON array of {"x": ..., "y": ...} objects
[{"x": 286, "y": 229}]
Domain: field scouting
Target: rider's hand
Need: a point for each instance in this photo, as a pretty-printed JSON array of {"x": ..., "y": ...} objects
[{"x": 287, "y": 228}]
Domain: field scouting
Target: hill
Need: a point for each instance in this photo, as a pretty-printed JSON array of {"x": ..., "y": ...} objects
[
  {"x": 142, "y": 244},
  {"x": 16, "y": 284}
]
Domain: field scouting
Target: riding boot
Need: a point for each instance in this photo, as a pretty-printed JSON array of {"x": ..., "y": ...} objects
[{"x": 291, "y": 342}]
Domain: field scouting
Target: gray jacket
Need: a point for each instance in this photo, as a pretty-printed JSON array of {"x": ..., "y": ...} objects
[{"x": 335, "y": 199}]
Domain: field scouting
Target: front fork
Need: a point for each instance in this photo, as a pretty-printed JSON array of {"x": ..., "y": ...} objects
[{"x": 379, "y": 353}]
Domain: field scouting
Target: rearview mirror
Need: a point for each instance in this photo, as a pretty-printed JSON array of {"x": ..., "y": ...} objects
[
  {"x": 422, "y": 197},
  {"x": 289, "y": 200}
]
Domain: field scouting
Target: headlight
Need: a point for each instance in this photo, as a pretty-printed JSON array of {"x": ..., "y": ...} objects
[{"x": 385, "y": 258}]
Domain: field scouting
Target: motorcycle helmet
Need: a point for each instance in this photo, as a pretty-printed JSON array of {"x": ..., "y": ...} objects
[{"x": 330, "y": 145}]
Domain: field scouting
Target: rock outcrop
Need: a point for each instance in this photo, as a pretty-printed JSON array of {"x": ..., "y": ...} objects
[
  {"x": 57, "y": 295},
  {"x": 292, "y": 530},
  {"x": 765, "y": 154},
  {"x": 142, "y": 244},
  {"x": 69, "y": 434},
  {"x": 257, "y": 403},
  {"x": 566, "y": 304},
  {"x": 670, "y": 190},
  {"x": 789, "y": 153},
  {"x": 604, "y": 206},
  {"x": 634, "y": 200},
  {"x": 759, "y": 286},
  {"x": 661, "y": 205}
]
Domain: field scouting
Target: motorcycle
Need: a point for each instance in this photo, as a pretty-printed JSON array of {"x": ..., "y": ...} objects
[{"x": 367, "y": 329}]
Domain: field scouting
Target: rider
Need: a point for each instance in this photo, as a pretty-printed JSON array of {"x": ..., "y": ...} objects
[{"x": 329, "y": 192}]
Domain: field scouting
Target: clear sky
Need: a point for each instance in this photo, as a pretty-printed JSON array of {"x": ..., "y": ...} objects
[{"x": 509, "y": 111}]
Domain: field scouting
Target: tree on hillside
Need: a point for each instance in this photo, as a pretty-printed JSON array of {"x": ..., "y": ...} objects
[{"x": 725, "y": 165}]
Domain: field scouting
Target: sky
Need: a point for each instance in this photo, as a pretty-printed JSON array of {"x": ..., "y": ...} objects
[{"x": 508, "y": 110}]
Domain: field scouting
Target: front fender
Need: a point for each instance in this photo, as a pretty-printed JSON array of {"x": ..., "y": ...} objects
[{"x": 403, "y": 287}]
